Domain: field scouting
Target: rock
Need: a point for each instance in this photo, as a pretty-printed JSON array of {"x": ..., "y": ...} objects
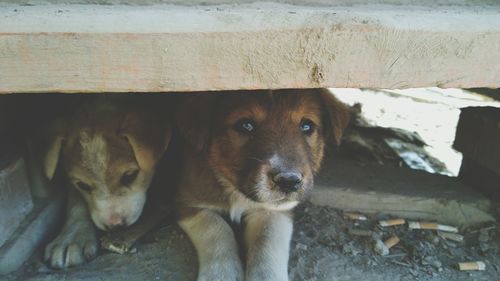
[
  {"x": 380, "y": 248},
  {"x": 360, "y": 232},
  {"x": 29, "y": 236},
  {"x": 301, "y": 246},
  {"x": 484, "y": 235},
  {"x": 432, "y": 238},
  {"x": 432, "y": 261},
  {"x": 15, "y": 197}
]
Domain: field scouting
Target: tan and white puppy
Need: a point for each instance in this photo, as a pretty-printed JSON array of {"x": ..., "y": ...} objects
[
  {"x": 250, "y": 160},
  {"x": 108, "y": 150}
]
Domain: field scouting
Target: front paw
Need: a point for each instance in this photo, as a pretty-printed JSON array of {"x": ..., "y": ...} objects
[
  {"x": 73, "y": 246},
  {"x": 221, "y": 271}
]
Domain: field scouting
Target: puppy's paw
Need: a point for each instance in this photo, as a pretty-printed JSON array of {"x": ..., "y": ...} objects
[
  {"x": 73, "y": 246},
  {"x": 222, "y": 271}
]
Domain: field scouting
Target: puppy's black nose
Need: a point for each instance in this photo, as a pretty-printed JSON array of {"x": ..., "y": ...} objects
[{"x": 288, "y": 181}]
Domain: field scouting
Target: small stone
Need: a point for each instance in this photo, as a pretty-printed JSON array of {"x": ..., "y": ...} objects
[
  {"x": 380, "y": 248},
  {"x": 413, "y": 272},
  {"x": 484, "y": 247},
  {"x": 360, "y": 232},
  {"x": 43, "y": 268},
  {"x": 350, "y": 249},
  {"x": 431, "y": 238},
  {"x": 433, "y": 261},
  {"x": 484, "y": 236},
  {"x": 301, "y": 246}
]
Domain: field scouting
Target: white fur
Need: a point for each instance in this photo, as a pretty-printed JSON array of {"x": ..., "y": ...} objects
[
  {"x": 275, "y": 160},
  {"x": 240, "y": 204},
  {"x": 267, "y": 237},
  {"x": 215, "y": 245},
  {"x": 127, "y": 207},
  {"x": 94, "y": 153}
]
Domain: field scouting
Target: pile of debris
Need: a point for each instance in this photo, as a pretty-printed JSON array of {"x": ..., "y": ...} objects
[{"x": 421, "y": 250}]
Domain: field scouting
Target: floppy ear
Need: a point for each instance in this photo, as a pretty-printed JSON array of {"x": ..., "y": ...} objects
[
  {"x": 52, "y": 156},
  {"x": 148, "y": 134},
  {"x": 336, "y": 117},
  {"x": 193, "y": 119}
]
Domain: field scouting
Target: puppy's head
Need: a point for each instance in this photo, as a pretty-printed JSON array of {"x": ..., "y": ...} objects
[
  {"x": 267, "y": 144},
  {"x": 109, "y": 157}
]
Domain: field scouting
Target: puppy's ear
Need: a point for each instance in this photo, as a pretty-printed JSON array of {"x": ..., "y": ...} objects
[
  {"x": 148, "y": 133},
  {"x": 52, "y": 156},
  {"x": 193, "y": 119},
  {"x": 336, "y": 117}
]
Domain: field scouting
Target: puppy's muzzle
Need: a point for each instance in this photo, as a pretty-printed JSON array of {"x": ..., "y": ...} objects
[
  {"x": 116, "y": 223},
  {"x": 287, "y": 181}
]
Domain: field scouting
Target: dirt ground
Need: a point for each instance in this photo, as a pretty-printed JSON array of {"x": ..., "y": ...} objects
[
  {"x": 325, "y": 244},
  {"x": 323, "y": 248}
]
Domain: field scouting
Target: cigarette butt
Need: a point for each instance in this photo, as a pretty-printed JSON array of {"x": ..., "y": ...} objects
[
  {"x": 115, "y": 248},
  {"x": 451, "y": 236},
  {"x": 355, "y": 216},
  {"x": 476, "y": 265},
  {"x": 392, "y": 222},
  {"x": 432, "y": 226},
  {"x": 391, "y": 241},
  {"x": 113, "y": 245}
]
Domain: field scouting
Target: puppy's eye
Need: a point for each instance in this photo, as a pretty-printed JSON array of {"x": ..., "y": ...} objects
[
  {"x": 129, "y": 177},
  {"x": 307, "y": 127},
  {"x": 245, "y": 126},
  {"x": 84, "y": 187}
]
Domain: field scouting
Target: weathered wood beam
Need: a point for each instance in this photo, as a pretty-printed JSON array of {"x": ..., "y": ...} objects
[{"x": 156, "y": 48}]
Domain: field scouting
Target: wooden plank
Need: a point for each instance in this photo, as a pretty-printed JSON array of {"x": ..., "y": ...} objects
[
  {"x": 383, "y": 189},
  {"x": 478, "y": 136},
  {"x": 156, "y": 48},
  {"x": 483, "y": 178}
]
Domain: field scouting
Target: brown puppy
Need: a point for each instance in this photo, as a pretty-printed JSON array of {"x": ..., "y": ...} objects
[
  {"x": 108, "y": 150},
  {"x": 251, "y": 160}
]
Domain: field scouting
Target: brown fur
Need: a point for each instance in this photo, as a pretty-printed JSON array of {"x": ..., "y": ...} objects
[
  {"x": 96, "y": 147},
  {"x": 230, "y": 172}
]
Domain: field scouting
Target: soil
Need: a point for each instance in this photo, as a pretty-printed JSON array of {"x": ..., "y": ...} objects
[{"x": 322, "y": 249}]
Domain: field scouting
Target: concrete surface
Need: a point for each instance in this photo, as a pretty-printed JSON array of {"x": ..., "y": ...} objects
[
  {"x": 30, "y": 235},
  {"x": 160, "y": 47},
  {"x": 15, "y": 198},
  {"x": 400, "y": 192}
]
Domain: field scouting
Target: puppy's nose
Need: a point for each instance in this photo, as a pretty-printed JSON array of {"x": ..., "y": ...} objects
[
  {"x": 115, "y": 223},
  {"x": 288, "y": 181}
]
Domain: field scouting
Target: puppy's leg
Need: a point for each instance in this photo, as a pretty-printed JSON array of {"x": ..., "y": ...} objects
[
  {"x": 267, "y": 239},
  {"x": 77, "y": 242},
  {"x": 215, "y": 244}
]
